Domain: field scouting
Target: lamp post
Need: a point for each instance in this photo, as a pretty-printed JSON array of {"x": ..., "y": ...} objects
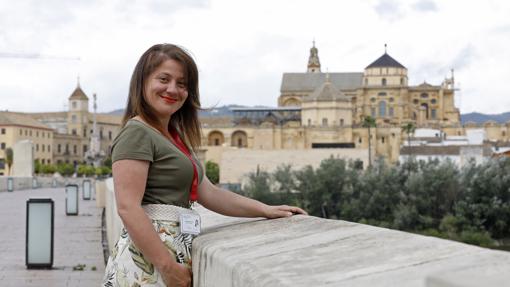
[
  {"x": 39, "y": 233},
  {"x": 71, "y": 199},
  {"x": 10, "y": 184},
  {"x": 86, "y": 194}
]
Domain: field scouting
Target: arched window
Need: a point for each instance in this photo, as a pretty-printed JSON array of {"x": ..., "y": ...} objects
[
  {"x": 382, "y": 108},
  {"x": 383, "y": 81},
  {"x": 341, "y": 122},
  {"x": 309, "y": 122},
  {"x": 215, "y": 138},
  {"x": 324, "y": 122},
  {"x": 239, "y": 139},
  {"x": 391, "y": 112},
  {"x": 366, "y": 82},
  {"x": 402, "y": 81}
]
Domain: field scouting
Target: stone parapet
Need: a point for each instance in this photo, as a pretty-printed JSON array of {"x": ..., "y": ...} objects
[{"x": 311, "y": 251}]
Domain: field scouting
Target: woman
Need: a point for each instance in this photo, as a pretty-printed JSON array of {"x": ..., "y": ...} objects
[{"x": 157, "y": 176}]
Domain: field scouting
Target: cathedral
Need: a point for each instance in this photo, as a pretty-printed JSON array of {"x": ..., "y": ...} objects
[{"x": 327, "y": 110}]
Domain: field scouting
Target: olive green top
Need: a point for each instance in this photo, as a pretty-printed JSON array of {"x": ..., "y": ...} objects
[{"x": 170, "y": 171}]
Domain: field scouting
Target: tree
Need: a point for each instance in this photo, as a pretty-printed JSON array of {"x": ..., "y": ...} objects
[
  {"x": 212, "y": 171},
  {"x": 369, "y": 122},
  {"x": 8, "y": 159},
  {"x": 37, "y": 166}
]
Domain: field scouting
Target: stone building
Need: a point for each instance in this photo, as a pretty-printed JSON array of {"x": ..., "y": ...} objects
[
  {"x": 59, "y": 137},
  {"x": 15, "y": 127},
  {"x": 326, "y": 110}
]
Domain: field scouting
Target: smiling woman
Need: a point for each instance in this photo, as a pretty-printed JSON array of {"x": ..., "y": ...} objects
[{"x": 157, "y": 176}]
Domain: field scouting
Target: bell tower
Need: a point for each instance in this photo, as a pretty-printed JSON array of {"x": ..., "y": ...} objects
[{"x": 314, "y": 65}]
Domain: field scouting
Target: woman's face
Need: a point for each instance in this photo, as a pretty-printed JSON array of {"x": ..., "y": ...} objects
[{"x": 166, "y": 89}]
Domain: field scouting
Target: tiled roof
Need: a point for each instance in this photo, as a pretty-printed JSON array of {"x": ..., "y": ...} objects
[
  {"x": 78, "y": 94},
  {"x": 298, "y": 82},
  {"x": 326, "y": 92},
  {"x": 385, "y": 61},
  {"x": 20, "y": 119},
  {"x": 107, "y": 119}
]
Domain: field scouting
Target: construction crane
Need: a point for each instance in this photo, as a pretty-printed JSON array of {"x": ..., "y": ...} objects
[{"x": 37, "y": 56}]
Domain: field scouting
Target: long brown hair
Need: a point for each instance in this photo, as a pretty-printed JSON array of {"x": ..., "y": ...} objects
[{"x": 185, "y": 120}]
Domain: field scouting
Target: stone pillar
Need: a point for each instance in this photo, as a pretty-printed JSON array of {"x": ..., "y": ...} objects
[{"x": 23, "y": 159}]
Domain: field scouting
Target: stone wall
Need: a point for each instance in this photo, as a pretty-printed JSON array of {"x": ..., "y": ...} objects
[{"x": 237, "y": 163}]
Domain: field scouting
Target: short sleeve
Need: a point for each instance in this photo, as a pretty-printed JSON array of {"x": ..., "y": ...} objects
[{"x": 133, "y": 142}]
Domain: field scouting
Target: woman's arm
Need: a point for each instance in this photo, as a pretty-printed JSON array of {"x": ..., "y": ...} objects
[
  {"x": 232, "y": 204},
  {"x": 130, "y": 177}
]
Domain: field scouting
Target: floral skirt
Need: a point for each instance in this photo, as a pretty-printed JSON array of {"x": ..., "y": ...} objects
[{"x": 127, "y": 266}]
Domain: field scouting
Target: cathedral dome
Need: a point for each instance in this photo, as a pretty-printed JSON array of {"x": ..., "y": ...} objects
[
  {"x": 326, "y": 92},
  {"x": 385, "y": 61}
]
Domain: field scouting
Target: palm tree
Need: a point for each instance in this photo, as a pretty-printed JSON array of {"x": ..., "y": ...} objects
[
  {"x": 409, "y": 129},
  {"x": 369, "y": 122},
  {"x": 8, "y": 159}
]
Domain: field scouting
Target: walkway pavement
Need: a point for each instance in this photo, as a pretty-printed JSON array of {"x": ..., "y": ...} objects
[{"x": 77, "y": 240}]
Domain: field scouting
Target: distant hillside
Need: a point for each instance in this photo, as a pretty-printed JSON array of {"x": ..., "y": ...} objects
[
  {"x": 482, "y": 118},
  {"x": 226, "y": 111},
  {"x": 118, "y": 112}
]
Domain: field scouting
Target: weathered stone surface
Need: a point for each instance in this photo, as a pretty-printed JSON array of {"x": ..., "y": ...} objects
[
  {"x": 309, "y": 251},
  {"x": 23, "y": 159}
]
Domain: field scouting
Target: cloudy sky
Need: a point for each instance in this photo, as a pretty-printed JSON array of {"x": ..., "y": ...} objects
[{"x": 243, "y": 47}]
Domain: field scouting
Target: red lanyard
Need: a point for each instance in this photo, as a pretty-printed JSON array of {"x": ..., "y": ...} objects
[{"x": 181, "y": 146}]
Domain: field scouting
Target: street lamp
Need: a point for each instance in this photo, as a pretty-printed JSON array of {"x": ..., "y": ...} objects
[
  {"x": 71, "y": 199},
  {"x": 86, "y": 190},
  {"x": 10, "y": 184},
  {"x": 39, "y": 233}
]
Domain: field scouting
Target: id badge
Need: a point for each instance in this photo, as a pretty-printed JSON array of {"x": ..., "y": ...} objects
[{"x": 190, "y": 223}]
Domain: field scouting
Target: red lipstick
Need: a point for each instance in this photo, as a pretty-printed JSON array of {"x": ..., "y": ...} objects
[{"x": 169, "y": 100}]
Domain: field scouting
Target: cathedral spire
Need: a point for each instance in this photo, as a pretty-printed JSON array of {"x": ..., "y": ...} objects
[{"x": 314, "y": 65}]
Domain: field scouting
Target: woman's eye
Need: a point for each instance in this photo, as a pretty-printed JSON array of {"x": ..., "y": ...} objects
[
  {"x": 181, "y": 85},
  {"x": 163, "y": 80}
]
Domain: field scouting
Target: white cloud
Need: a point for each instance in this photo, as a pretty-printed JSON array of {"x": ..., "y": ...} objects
[{"x": 243, "y": 47}]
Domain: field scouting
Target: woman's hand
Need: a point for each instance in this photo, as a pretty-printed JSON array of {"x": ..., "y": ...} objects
[
  {"x": 176, "y": 275},
  {"x": 277, "y": 211}
]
